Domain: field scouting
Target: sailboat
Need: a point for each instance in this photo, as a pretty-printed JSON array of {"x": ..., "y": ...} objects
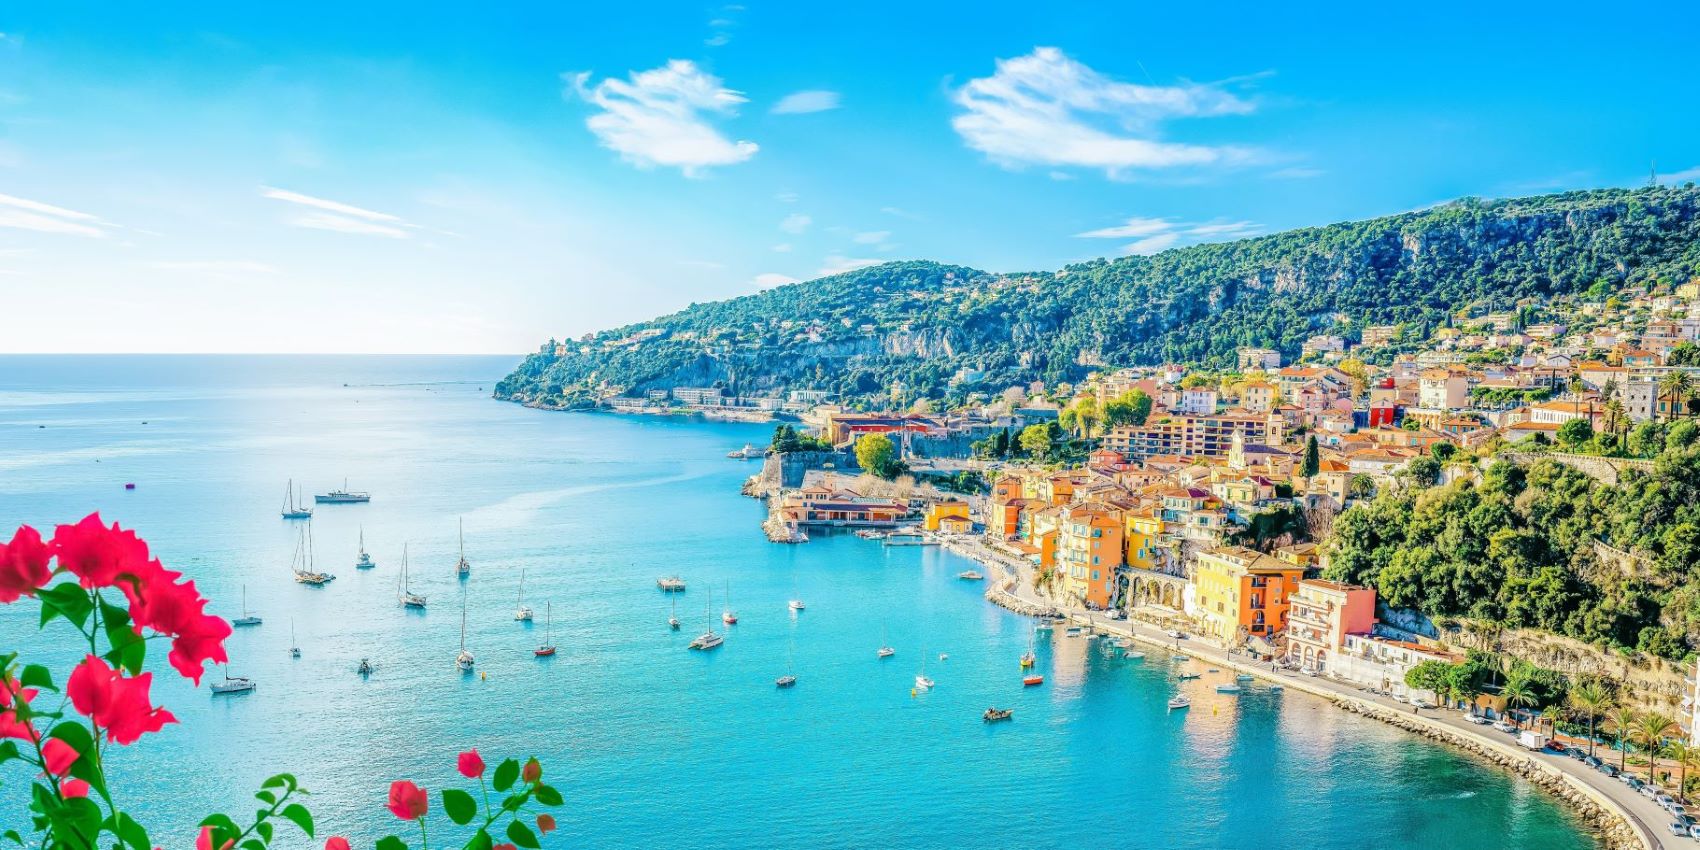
[
  {"x": 301, "y": 563},
  {"x": 673, "y": 620},
  {"x": 364, "y": 561},
  {"x": 523, "y": 612},
  {"x": 885, "y": 648},
  {"x": 728, "y": 616},
  {"x": 291, "y": 510},
  {"x": 708, "y": 639},
  {"x": 790, "y": 677},
  {"x": 796, "y": 601},
  {"x": 921, "y": 681},
  {"x": 232, "y": 684},
  {"x": 464, "y": 659},
  {"x": 294, "y": 648},
  {"x": 1028, "y": 658},
  {"x": 403, "y": 595},
  {"x": 548, "y": 646},
  {"x": 246, "y": 619},
  {"x": 463, "y": 567}
]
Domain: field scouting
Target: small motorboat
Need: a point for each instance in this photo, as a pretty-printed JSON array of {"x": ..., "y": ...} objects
[
  {"x": 1034, "y": 679},
  {"x": 1228, "y": 689},
  {"x": 970, "y": 575},
  {"x": 365, "y": 668},
  {"x": 671, "y": 584},
  {"x": 1243, "y": 677},
  {"x": 1187, "y": 676},
  {"x": 1179, "y": 657},
  {"x": 994, "y": 715},
  {"x": 886, "y": 652},
  {"x": 1179, "y": 702},
  {"x": 796, "y": 605},
  {"x": 1136, "y": 656},
  {"x": 944, "y": 656},
  {"x": 923, "y": 683},
  {"x": 1276, "y": 687},
  {"x": 785, "y": 681},
  {"x": 729, "y": 617}
]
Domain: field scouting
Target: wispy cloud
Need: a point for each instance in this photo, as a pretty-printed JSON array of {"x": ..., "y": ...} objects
[
  {"x": 220, "y": 268},
  {"x": 871, "y": 237},
  {"x": 901, "y": 213},
  {"x": 661, "y": 117},
  {"x": 795, "y": 223},
  {"x": 1047, "y": 109},
  {"x": 768, "y": 280},
  {"x": 721, "y": 25},
  {"x": 1682, "y": 176},
  {"x": 782, "y": 248},
  {"x": 838, "y": 264},
  {"x": 803, "y": 102},
  {"x": 1151, "y": 235},
  {"x": 786, "y": 197},
  {"x": 25, "y": 214},
  {"x": 1296, "y": 173},
  {"x": 326, "y": 214}
]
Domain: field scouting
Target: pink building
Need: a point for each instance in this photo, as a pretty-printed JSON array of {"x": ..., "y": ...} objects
[{"x": 1321, "y": 614}]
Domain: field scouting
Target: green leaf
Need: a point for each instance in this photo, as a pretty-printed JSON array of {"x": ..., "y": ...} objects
[
  {"x": 548, "y": 796},
  {"x": 459, "y": 805},
  {"x": 265, "y": 829},
  {"x": 302, "y": 818},
  {"x": 8, "y": 751},
  {"x": 15, "y": 837},
  {"x": 506, "y": 773},
  {"x": 481, "y": 841},
  {"x": 522, "y": 835},
  {"x": 128, "y": 831},
  {"x": 66, "y": 599},
  {"x": 266, "y": 797},
  {"x": 87, "y": 766},
  {"x": 223, "y": 827},
  {"x": 253, "y": 844},
  {"x": 282, "y": 780},
  {"x": 37, "y": 676},
  {"x": 390, "y": 842}
]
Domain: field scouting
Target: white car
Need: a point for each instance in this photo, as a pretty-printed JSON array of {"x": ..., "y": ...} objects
[
  {"x": 1478, "y": 719},
  {"x": 1504, "y": 725}
]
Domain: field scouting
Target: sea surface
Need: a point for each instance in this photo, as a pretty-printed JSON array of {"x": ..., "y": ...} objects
[{"x": 653, "y": 745}]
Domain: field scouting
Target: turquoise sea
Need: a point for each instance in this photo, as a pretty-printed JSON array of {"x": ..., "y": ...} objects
[{"x": 655, "y": 746}]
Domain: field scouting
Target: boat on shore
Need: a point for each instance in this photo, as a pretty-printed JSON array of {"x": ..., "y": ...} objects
[
  {"x": 343, "y": 496},
  {"x": 993, "y": 715},
  {"x": 671, "y": 584},
  {"x": 291, "y": 510}
]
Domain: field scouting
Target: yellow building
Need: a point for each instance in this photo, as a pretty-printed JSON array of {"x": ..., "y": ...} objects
[
  {"x": 1243, "y": 593},
  {"x": 943, "y": 510},
  {"x": 1143, "y": 528}
]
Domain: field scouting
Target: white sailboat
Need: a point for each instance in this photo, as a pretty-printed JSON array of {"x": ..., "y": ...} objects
[
  {"x": 673, "y": 620},
  {"x": 886, "y": 650},
  {"x": 708, "y": 639},
  {"x": 364, "y": 560},
  {"x": 547, "y": 648},
  {"x": 790, "y": 677},
  {"x": 523, "y": 612},
  {"x": 302, "y": 563},
  {"x": 403, "y": 595},
  {"x": 291, "y": 510},
  {"x": 246, "y": 619},
  {"x": 921, "y": 681},
  {"x": 464, "y": 659},
  {"x": 232, "y": 684},
  {"x": 1028, "y": 658},
  {"x": 463, "y": 567},
  {"x": 294, "y": 648},
  {"x": 796, "y": 603},
  {"x": 729, "y": 616}
]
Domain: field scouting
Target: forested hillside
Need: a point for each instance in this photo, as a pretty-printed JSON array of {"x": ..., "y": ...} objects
[{"x": 940, "y": 330}]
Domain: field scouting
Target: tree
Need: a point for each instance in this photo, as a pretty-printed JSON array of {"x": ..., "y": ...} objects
[
  {"x": 1428, "y": 676},
  {"x": 1684, "y": 754},
  {"x": 1130, "y": 408},
  {"x": 1590, "y": 699},
  {"x": 877, "y": 455},
  {"x": 1649, "y": 730},
  {"x": 1442, "y": 451},
  {"x": 1622, "y": 722},
  {"x": 1676, "y": 388},
  {"x": 1035, "y": 440},
  {"x": 1421, "y": 471},
  {"x": 1518, "y": 694},
  {"x": 1575, "y": 433},
  {"x": 1360, "y": 486},
  {"x": 1313, "y": 457}
]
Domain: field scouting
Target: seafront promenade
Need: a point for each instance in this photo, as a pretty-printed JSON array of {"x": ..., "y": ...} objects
[{"x": 1624, "y": 818}]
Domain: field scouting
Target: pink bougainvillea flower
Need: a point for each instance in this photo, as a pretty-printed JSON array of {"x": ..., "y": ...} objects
[
  {"x": 58, "y": 756},
  {"x": 336, "y": 842},
  {"x": 72, "y": 788},
  {"x": 10, "y": 726},
  {"x": 159, "y": 603},
  {"x": 470, "y": 764},
  {"x": 505, "y": 847},
  {"x": 98, "y": 555},
  {"x": 545, "y": 823},
  {"x": 407, "y": 800},
  {"x": 23, "y": 564},
  {"x": 532, "y": 771},
  {"x": 118, "y": 702}
]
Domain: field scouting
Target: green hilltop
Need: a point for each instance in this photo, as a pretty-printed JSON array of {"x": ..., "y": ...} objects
[{"x": 944, "y": 331}]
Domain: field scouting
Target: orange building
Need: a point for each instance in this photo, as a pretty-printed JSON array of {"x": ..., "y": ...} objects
[
  {"x": 1243, "y": 593},
  {"x": 941, "y": 511},
  {"x": 1321, "y": 615},
  {"x": 1089, "y": 551}
]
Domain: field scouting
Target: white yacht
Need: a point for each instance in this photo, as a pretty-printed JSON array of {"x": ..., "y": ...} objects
[
  {"x": 523, "y": 612},
  {"x": 1179, "y": 702},
  {"x": 343, "y": 496},
  {"x": 922, "y": 683},
  {"x": 403, "y": 595},
  {"x": 748, "y": 452},
  {"x": 233, "y": 685},
  {"x": 364, "y": 560},
  {"x": 673, "y": 619},
  {"x": 246, "y": 619},
  {"x": 294, "y": 648},
  {"x": 708, "y": 639},
  {"x": 885, "y": 650}
]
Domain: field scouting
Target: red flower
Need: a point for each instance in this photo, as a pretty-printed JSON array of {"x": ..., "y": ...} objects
[
  {"x": 118, "y": 702},
  {"x": 470, "y": 764},
  {"x": 532, "y": 771},
  {"x": 23, "y": 564},
  {"x": 505, "y": 847},
  {"x": 96, "y": 554},
  {"x": 58, "y": 756},
  {"x": 336, "y": 842},
  {"x": 71, "y": 788},
  {"x": 159, "y": 603},
  {"x": 12, "y": 693},
  {"x": 407, "y": 800},
  {"x": 545, "y": 823}
]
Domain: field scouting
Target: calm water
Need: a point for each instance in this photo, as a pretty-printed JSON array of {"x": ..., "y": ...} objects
[{"x": 654, "y": 745}]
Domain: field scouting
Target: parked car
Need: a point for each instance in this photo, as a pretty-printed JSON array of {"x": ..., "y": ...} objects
[
  {"x": 1694, "y": 830},
  {"x": 1478, "y": 719},
  {"x": 1648, "y": 791},
  {"x": 1664, "y": 800},
  {"x": 1419, "y": 702},
  {"x": 1593, "y": 762},
  {"x": 1631, "y": 781},
  {"x": 1678, "y": 828},
  {"x": 1607, "y": 769},
  {"x": 1504, "y": 725}
]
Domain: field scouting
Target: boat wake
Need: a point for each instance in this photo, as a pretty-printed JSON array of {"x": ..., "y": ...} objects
[{"x": 522, "y": 509}]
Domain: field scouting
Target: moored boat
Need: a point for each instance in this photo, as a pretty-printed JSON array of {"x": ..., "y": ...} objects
[
  {"x": 994, "y": 715},
  {"x": 729, "y": 616},
  {"x": 970, "y": 575},
  {"x": 463, "y": 567},
  {"x": 291, "y": 510},
  {"x": 246, "y": 619},
  {"x": 1031, "y": 680},
  {"x": 1179, "y": 702},
  {"x": 403, "y": 595},
  {"x": 464, "y": 659},
  {"x": 748, "y": 452},
  {"x": 708, "y": 639},
  {"x": 547, "y": 647},
  {"x": 1228, "y": 689},
  {"x": 343, "y": 496},
  {"x": 523, "y": 612},
  {"x": 363, "y": 561},
  {"x": 233, "y": 685}
]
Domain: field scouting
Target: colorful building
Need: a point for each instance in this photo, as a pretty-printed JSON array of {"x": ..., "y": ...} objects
[
  {"x": 1089, "y": 552},
  {"x": 1242, "y": 593},
  {"x": 1320, "y": 616},
  {"x": 940, "y": 511}
]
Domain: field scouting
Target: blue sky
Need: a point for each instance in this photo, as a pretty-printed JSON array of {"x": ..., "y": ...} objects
[{"x": 434, "y": 177}]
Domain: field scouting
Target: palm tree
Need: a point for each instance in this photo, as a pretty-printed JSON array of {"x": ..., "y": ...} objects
[
  {"x": 1684, "y": 755},
  {"x": 1518, "y": 694},
  {"x": 1676, "y": 387},
  {"x": 1650, "y": 730},
  {"x": 1622, "y": 719},
  {"x": 1590, "y": 699}
]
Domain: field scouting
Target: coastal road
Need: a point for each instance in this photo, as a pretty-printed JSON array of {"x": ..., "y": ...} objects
[{"x": 1646, "y": 816}]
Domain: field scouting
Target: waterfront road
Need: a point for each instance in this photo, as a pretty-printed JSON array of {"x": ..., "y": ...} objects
[{"x": 1645, "y": 816}]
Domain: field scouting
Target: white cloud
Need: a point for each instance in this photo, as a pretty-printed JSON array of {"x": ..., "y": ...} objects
[
  {"x": 215, "y": 267},
  {"x": 1682, "y": 176},
  {"x": 795, "y": 223},
  {"x": 338, "y": 216},
  {"x": 782, "y": 248},
  {"x": 1151, "y": 235},
  {"x": 786, "y": 197},
  {"x": 872, "y": 237},
  {"x": 661, "y": 117},
  {"x": 802, "y": 102},
  {"x": 25, "y": 214},
  {"x": 768, "y": 280},
  {"x": 1296, "y": 173},
  {"x": 1047, "y": 109},
  {"x": 838, "y": 264},
  {"x": 900, "y": 213}
]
